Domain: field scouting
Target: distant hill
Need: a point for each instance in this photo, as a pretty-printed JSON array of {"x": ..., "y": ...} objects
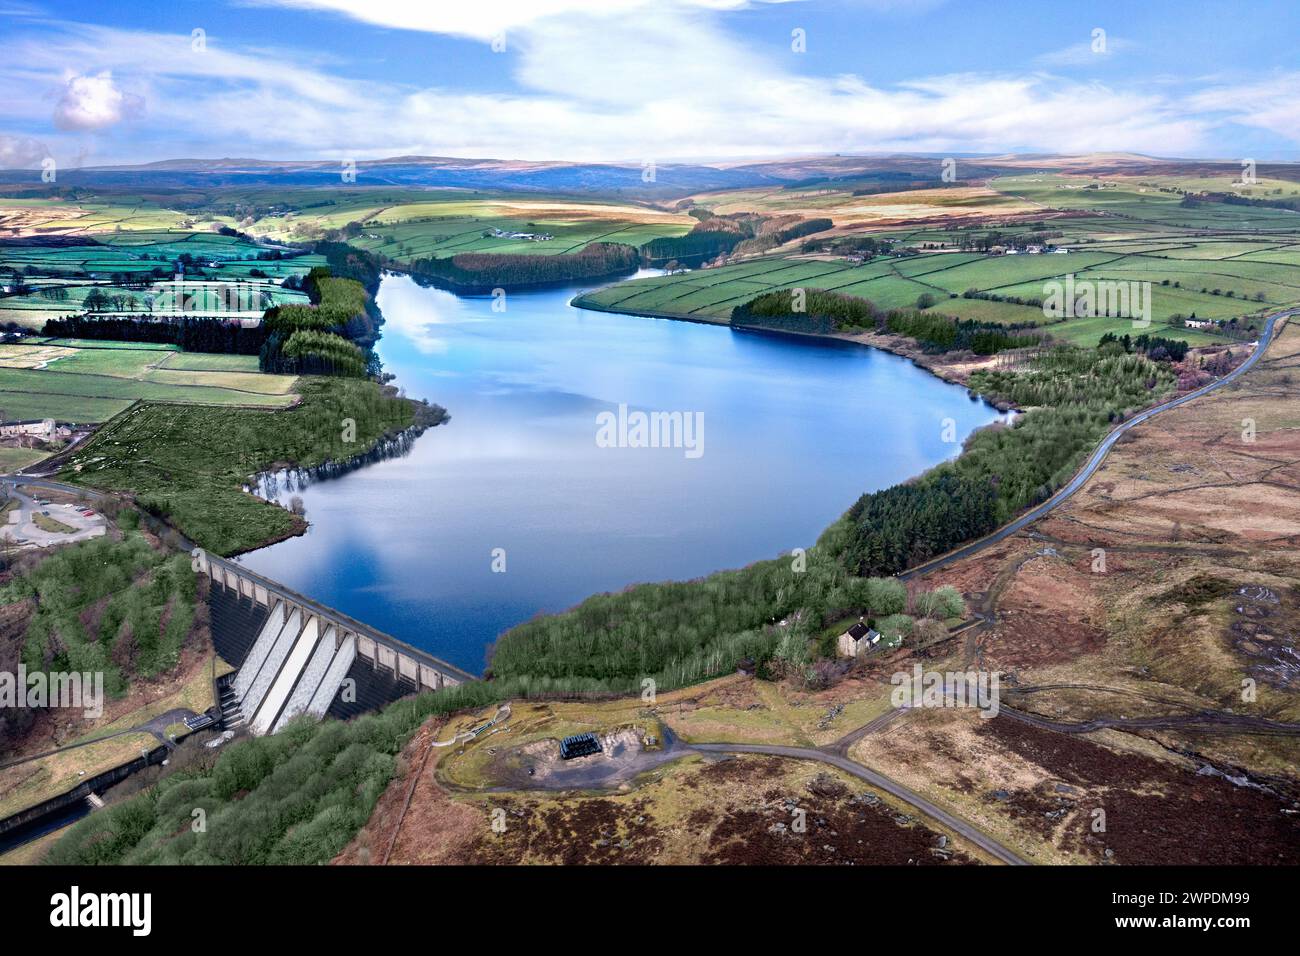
[
  {"x": 629, "y": 179},
  {"x": 412, "y": 171}
]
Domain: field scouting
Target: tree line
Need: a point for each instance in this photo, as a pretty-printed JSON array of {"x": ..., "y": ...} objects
[
  {"x": 481, "y": 272},
  {"x": 320, "y": 339},
  {"x": 818, "y": 311},
  {"x": 189, "y": 333},
  {"x": 721, "y": 235},
  {"x": 1156, "y": 347},
  {"x": 1075, "y": 395}
]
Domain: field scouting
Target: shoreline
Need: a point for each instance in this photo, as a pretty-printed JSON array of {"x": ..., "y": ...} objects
[
  {"x": 379, "y": 450},
  {"x": 470, "y": 290},
  {"x": 955, "y": 373}
]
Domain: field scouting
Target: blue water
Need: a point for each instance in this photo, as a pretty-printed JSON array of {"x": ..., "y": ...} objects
[{"x": 794, "y": 430}]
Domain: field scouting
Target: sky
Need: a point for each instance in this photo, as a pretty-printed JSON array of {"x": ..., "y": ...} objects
[{"x": 99, "y": 82}]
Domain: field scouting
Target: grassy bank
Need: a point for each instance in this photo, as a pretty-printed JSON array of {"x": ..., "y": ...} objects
[
  {"x": 481, "y": 273},
  {"x": 190, "y": 463},
  {"x": 87, "y": 381}
]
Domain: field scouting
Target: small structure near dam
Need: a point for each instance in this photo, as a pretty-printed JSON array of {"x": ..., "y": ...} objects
[{"x": 296, "y": 656}]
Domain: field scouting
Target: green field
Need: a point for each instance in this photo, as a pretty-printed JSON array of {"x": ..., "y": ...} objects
[
  {"x": 422, "y": 225},
  {"x": 11, "y": 459},
  {"x": 92, "y": 384},
  {"x": 79, "y": 409},
  {"x": 102, "y": 344},
  {"x": 1216, "y": 277},
  {"x": 1147, "y": 206},
  {"x": 1088, "y": 331},
  {"x": 67, "y": 217},
  {"x": 61, "y": 277},
  {"x": 145, "y": 250},
  {"x": 210, "y": 362}
]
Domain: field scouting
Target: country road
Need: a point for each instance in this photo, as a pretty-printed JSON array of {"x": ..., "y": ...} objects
[
  {"x": 836, "y": 754},
  {"x": 157, "y": 726},
  {"x": 18, "y": 478},
  {"x": 1094, "y": 462},
  {"x": 879, "y": 781}
]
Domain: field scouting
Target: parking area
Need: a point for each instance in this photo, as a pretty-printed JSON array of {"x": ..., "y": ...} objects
[{"x": 31, "y": 521}]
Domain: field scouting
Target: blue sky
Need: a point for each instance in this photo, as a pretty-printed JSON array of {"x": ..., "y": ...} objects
[{"x": 117, "y": 81}]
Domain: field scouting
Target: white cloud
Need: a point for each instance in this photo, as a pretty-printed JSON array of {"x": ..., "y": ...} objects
[
  {"x": 485, "y": 20},
  {"x": 1271, "y": 103},
  {"x": 21, "y": 152},
  {"x": 667, "y": 84},
  {"x": 93, "y": 102},
  {"x": 20, "y": 10}
]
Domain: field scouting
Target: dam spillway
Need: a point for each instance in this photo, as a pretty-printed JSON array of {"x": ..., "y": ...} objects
[{"x": 296, "y": 656}]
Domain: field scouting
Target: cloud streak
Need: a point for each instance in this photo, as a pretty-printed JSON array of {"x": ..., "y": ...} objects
[
  {"x": 486, "y": 21},
  {"x": 669, "y": 82}
]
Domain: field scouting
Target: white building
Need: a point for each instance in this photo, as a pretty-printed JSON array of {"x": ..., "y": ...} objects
[
  {"x": 43, "y": 429},
  {"x": 857, "y": 639}
]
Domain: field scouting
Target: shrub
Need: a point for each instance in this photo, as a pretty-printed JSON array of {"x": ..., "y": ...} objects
[{"x": 895, "y": 625}]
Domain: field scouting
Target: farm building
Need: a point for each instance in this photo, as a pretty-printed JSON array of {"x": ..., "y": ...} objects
[
  {"x": 43, "y": 429},
  {"x": 857, "y": 639}
]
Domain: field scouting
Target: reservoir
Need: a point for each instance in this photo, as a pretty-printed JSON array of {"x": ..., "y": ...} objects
[{"x": 539, "y": 493}]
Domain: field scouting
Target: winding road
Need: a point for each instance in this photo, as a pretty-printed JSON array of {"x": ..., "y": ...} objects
[
  {"x": 1094, "y": 462},
  {"x": 978, "y": 837},
  {"x": 836, "y": 754},
  {"x": 157, "y": 726}
]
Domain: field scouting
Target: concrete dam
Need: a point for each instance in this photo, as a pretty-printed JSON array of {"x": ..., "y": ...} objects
[{"x": 295, "y": 656}]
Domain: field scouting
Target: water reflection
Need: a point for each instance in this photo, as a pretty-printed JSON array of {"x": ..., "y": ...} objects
[
  {"x": 796, "y": 431},
  {"x": 278, "y": 486}
]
